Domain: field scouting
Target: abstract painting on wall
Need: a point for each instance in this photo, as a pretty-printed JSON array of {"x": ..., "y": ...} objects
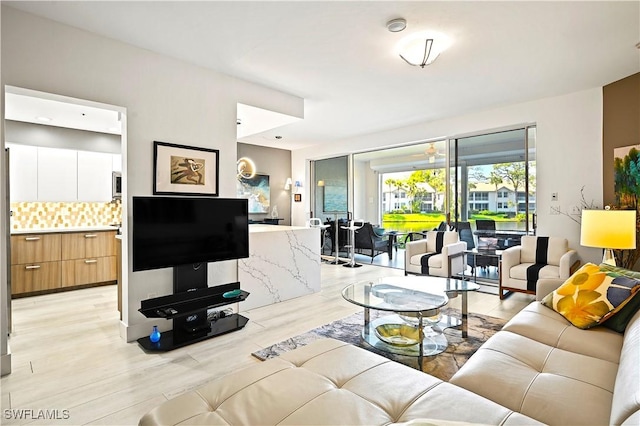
[
  {"x": 257, "y": 191},
  {"x": 335, "y": 198},
  {"x": 184, "y": 170}
]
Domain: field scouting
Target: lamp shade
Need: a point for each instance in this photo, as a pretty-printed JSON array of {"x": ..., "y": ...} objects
[
  {"x": 422, "y": 48},
  {"x": 608, "y": 229}
]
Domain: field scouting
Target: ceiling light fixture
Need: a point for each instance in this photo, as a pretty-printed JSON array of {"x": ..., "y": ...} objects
[
  {"x": 396, "y": 25},
  {"x": 421, "y": 49}
]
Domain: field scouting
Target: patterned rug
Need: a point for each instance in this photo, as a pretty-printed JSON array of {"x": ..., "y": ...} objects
[{"x": 443, "y": 365}]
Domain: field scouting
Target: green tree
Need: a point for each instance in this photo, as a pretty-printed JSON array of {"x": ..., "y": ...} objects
[
  {"x": 475, "y": 173},
  {"x": 513, "y": 173},
  {"x": 434, "y": 178},
  {"x": 495, "y": 179},
  {"x": 397, "y": 184},
  {"x": 627, "y": 179}
]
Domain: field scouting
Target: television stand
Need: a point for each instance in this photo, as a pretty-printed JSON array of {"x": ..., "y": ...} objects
[
  {"x": 174, "y": 339},
  {"x": 188, "y": 310}
]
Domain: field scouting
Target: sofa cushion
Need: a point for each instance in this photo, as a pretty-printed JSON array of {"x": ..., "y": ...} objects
[
  {"x": 540, "y": 381},
  {"x": 329, "y": 382},
  {"x": 592, "y": 295},
  {"x": 557, "y": 247},
  {"x": 540, "y": 365},
  {"x": 519, "y": 272},
  {"x": 539, "y": 323},
  {"x": 435, "y": 261},
  {"x": 448, "y": 237},
  {"x": 626, "y": 396}
]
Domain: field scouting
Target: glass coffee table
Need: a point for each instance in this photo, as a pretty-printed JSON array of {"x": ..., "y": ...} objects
[{"x": 415, "y": 325}]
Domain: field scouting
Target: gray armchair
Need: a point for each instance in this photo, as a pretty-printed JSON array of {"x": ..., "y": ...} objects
[{"x": 369, "y": 243}]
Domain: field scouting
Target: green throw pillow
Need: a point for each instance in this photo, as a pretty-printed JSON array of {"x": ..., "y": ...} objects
[{"x": 595, "y": 294}]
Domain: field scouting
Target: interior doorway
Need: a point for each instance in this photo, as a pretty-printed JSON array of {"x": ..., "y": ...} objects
[{"x": 29, "y": 116}]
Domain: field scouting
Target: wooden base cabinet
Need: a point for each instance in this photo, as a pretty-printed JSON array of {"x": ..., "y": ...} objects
[
  {"x": 35, "y": 248},
  {"x": 88, "y": 257},
  {"x": 54, "y": 261},
  {"x": 88, "y": 271},
  {"x": 84, "y": 245},
  {"x": 35, "y": 277}
]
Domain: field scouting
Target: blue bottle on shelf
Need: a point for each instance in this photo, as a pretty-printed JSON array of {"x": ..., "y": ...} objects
[{"x": 155, "y": 334}]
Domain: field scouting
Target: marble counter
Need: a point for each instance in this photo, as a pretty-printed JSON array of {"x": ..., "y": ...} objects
[{"x": 283, "y": 263}]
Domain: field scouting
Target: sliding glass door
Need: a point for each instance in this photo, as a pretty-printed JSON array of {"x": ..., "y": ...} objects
[{"x": 492, "y": 182}]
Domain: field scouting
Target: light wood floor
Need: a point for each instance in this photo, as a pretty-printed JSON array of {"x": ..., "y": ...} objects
[{"x": 67, "y": 353}]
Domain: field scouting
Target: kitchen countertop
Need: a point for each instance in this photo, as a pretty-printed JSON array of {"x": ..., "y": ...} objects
[
  {"x": 60, "y": 230},
  {"x": 259, "y": 227}
]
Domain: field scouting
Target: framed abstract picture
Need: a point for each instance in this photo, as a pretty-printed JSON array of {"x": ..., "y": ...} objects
[
  {"x": 626, "y": 177},
  {"x": 335, "y": 198},
  {"x": 184, "y": 170},
  {"x": 256, "y": 189}
]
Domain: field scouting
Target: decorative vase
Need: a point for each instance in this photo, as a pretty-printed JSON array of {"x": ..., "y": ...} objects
[{"x": 155, "y": 334}]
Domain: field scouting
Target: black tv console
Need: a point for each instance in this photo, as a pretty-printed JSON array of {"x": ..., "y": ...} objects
[{"x": 188, "y": 310}]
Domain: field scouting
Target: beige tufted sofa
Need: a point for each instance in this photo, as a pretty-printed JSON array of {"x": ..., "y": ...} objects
[
  {"x": 542, "y": 366},
  {"x": 538, "y": 369}
]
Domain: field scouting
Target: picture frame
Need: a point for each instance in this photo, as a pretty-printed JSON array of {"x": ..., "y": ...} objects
[
  {"x": 334, "y": 198},
  {"x": 297, "y": 198},
  {"x": 185, "y": 170}
]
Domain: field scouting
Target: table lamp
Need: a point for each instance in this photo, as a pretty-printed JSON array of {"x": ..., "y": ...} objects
[{"x": 610, "y": 230}]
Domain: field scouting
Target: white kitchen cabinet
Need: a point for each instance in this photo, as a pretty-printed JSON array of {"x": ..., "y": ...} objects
[
  {"x": 94, "y": 176},
  {"x": 23, "y": 172},
  {"x": 57, "y": 174}
]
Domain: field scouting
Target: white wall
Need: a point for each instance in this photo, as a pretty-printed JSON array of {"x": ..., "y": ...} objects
[
  {"x": 569, "y": 153},
  {"x": 60, "y": 137},
  {"x": 366, "y": 192},
  {"x": 166, "y": 100}
]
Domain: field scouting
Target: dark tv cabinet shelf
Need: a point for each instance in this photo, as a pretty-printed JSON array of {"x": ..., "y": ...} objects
[
  {"x": 174, "y": 339},
  {"x": 188, "y": 310}
]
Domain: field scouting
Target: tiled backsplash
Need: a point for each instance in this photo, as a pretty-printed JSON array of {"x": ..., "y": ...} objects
[{"x": 39, "y": 215}]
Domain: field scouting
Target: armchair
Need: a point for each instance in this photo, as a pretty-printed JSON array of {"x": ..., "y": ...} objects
[
  {"x": 536, "y": 259},
  {"x": 367, "y": 241},
  {"x": 441, "y": 254}
]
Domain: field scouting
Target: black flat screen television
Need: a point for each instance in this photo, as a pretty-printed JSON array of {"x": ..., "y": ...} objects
[{"x": 175, "y": 231}]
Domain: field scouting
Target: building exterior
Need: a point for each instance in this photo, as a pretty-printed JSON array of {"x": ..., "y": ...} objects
[{"x": 481, "y": 197}]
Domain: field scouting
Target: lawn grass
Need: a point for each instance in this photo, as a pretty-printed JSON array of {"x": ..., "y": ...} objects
[{"x": 411, "y": 222}]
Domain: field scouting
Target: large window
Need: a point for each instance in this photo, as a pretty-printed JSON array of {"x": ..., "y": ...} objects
[
  {"x": 499, "y": 170},
  {"x": 415, "y": 187}
]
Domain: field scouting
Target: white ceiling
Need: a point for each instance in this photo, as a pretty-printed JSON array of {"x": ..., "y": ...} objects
[
  {"x": 339, "y": 56},
  {"x": 34, "y": 109}
]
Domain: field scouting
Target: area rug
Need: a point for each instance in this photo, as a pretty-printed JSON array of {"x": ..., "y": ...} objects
[{"x": 443, "y": 365}]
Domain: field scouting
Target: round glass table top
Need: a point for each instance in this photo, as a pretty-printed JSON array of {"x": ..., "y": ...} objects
[{"x": 406, "y": 293}]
